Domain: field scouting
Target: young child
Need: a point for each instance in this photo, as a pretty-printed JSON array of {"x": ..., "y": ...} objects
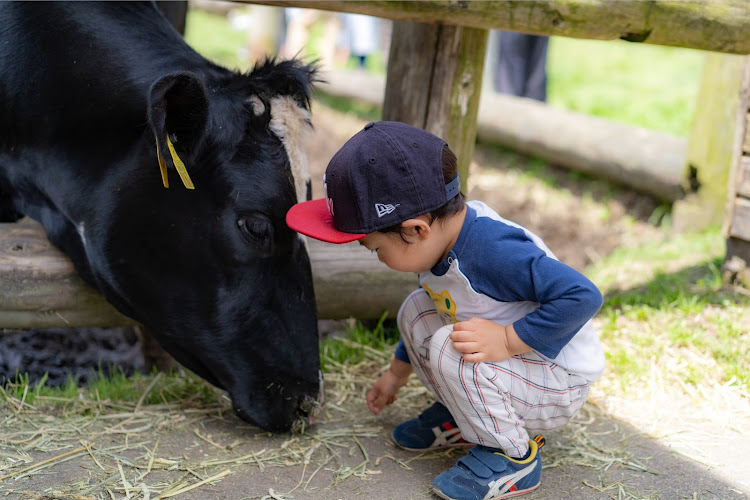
[{"x": 499, "y": 331}]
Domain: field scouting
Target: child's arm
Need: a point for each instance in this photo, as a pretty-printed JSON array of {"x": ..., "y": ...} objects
[
  {"x": 384, "y": 391},
  {"x": 480, "y": 340},
  {"x": 509, "y": 267}
]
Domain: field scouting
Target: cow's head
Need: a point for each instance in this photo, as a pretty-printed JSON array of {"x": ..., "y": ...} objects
[{"x": 214, "y": 272}]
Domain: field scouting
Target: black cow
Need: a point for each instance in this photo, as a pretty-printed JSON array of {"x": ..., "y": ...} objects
[{"x": 89, "y": 92}]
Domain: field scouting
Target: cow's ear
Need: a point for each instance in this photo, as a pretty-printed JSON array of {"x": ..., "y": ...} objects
[{"x": 177, "y": 112}]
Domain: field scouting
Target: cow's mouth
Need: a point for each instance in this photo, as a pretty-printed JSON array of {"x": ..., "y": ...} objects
[
  {"x": 289, "y": 410},
  {"x": 307, "y": 412},
  {"x": 309, "y": 408}
]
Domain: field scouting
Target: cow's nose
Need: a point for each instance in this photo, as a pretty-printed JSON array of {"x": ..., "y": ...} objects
[{"x": 311, "y": 407}]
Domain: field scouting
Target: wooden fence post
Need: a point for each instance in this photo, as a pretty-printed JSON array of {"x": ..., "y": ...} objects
[
  {"x": 737, "y": 221},
  {"x": 711, "y": 144},
  {"x": 435, "y": 81}
]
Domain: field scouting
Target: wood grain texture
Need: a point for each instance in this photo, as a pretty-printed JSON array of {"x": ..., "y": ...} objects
[{"x": 434, "y": 83}]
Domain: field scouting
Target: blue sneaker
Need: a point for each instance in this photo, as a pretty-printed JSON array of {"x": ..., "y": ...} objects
[
  {"x": 487, "y": 474},
  {"x": 433, "y": 428}
]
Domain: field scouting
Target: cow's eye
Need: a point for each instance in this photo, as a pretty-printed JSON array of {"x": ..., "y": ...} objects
[{"x": 258, "y": 231}]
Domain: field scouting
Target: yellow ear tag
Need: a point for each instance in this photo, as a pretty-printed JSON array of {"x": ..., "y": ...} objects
[
  {"x": 162, "y": 167},
  {"x": 180, "y": 166}
]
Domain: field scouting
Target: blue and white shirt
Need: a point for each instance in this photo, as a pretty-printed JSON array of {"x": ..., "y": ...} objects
[{"x": 500, "y": 271}]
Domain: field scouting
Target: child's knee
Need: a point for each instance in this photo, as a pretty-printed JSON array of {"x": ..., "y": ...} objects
[{"x": 443, "y": 357}]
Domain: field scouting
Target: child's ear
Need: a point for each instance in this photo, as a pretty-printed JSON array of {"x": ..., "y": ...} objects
[{"x": 417, "y": 228}]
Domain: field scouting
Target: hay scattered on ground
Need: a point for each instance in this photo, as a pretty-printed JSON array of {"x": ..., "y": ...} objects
[{"x": 122, "y": 443}]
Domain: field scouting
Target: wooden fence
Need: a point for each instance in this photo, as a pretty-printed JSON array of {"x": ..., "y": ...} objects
[
  {"x": 442, "y": 43},
  {"x": 434, "y": 82}
]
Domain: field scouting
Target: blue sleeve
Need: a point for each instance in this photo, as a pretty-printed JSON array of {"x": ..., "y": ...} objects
[
  {"x": 401, "y": 352},
  {"x": 523, "y": 272}
]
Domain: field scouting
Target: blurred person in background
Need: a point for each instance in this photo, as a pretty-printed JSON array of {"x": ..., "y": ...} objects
[
  {"x": 521, "y": 65},
  {"x": 361, "y": 35}
]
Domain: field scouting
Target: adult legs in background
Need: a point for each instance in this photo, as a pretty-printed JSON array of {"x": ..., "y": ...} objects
[{"x": 522, "y": 65}]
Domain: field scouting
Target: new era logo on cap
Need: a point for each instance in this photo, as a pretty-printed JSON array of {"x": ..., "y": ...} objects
[{"x": 385, "y": 209}]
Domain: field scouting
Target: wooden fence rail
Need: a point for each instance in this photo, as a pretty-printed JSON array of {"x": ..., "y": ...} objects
[
  {"x": 644, "y": 160},
  {"x": 715, "y": 25},
  {"x": 41, "y": 289}
]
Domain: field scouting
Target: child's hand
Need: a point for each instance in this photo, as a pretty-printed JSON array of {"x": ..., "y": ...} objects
[
  {"x": 384, "y": 390},
  {"x": 481, "y": 340}
]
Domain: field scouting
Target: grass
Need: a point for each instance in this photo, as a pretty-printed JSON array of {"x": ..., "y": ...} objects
[
  {"x": 360, "y": 109},
  {"x": 666, "y": 300},
  {"x": 650, "y": 86},
  {"x": 116, "y": 388},
  {"x": 213, "y": 36},
  {"x": 349, "y": 349}
]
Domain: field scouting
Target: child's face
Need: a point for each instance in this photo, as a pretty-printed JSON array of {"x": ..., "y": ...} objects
[{"x": 417, "y": 256}]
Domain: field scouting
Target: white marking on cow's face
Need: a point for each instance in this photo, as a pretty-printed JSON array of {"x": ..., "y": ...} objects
[
  {"x": 257, "y": 105},
  {"x": 291, "y": 123}
]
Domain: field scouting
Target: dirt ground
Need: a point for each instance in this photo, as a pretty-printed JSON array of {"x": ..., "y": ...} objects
[
  {"x": 595, "y": 457},
  {"x": 347, "y": 453}
]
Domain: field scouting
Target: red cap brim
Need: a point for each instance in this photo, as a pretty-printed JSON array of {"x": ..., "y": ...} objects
[{"x": 313, "y": 219}]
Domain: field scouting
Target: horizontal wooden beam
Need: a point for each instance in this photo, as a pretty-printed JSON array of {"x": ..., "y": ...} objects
[
  {"x": 716, "y": 25},
  {"x": 350, "y": 282},
  {"x": 41, "y": 289},
  {"x": 647, "y": 161}
]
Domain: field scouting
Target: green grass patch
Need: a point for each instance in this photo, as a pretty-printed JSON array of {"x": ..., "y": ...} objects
[
  {"x": 649, "y": 86},
  {"x": 116, "y": 388},
  {"x": 23, "y": 389},
  {"x": 215, "y": 39},
  {"x": 359, "y": 343},
  {"x": 671, "y": 256},
  {"x": 679, "y": 309}
]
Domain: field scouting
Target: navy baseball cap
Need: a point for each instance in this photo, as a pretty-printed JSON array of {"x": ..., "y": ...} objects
[{"x": 385, "y": 174}]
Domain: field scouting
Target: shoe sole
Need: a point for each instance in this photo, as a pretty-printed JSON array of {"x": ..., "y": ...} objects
[
  {"x": 507, "y": 495},
  {"x": 444, "y": 447}
]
